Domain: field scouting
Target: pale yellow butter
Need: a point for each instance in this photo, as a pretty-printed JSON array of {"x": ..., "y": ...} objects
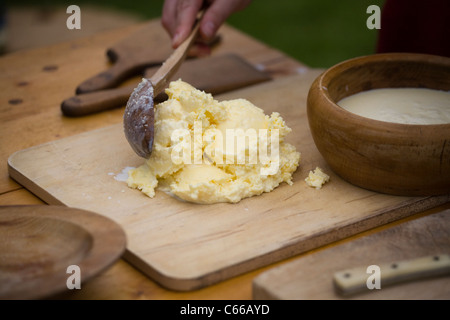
[
  {"x": 205, "y": 170},
  {"x": 317, "y": 178}
]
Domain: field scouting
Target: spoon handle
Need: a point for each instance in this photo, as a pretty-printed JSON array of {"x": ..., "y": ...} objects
[{"x": 163, "y": 75}]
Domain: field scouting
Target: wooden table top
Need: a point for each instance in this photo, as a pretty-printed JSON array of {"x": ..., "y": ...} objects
[{"x": 35, "y": 82}]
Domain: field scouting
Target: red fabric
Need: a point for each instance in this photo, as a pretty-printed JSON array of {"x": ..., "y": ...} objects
[{"x": 421, "y": 26}]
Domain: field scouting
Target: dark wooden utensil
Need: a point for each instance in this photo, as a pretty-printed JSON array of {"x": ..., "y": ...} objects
[
  {"x": 138, "y": 117},
  {"x": 213, "y": 74}
]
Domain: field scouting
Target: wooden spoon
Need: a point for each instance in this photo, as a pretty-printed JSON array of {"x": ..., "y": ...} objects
[{"x": 138, "y": 117}]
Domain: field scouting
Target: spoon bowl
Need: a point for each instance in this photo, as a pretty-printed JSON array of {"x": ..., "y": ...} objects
[{"x": 139, "y": 117}]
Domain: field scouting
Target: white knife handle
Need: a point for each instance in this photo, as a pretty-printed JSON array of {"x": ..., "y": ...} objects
[{"x": 354, "y": 280}]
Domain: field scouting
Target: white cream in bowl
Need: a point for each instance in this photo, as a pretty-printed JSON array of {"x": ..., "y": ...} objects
[{"x": 401, "y": 105}]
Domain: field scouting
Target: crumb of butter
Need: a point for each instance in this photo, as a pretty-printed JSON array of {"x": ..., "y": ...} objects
[{"x": 317, "y": 178}]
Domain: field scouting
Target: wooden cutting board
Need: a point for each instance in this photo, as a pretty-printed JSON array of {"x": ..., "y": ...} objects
[
  {"x": 311, "y": 277},
  {"x": 185, "y": 246}
]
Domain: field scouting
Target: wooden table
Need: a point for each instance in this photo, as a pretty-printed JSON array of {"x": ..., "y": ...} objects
[{"x": 35, "y": 82}]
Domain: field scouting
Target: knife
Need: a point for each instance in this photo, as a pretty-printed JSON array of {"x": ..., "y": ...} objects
[{"x": 356, "y": 280}]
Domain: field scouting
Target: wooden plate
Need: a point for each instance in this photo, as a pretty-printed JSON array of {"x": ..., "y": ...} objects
[{"x": 38, "y": 243}]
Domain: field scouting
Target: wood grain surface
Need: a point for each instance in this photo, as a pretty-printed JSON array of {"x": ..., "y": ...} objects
[
  {"x": 186, "y": 246},
  {"x": 311, "y": 277}
]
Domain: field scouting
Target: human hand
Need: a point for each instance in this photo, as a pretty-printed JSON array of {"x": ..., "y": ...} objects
[{"x": 178, "y": 17}]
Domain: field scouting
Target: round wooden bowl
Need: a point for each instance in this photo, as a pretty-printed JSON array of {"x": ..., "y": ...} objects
[{"x": 392, "y": 158}]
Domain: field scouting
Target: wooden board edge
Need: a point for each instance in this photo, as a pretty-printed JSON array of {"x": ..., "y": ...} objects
[
  {"x": 34, "y": 188},
  {"x": 26, "y": 183},
  {"x": 176, "y": 283},
  {"x": 259, "y": 292}
]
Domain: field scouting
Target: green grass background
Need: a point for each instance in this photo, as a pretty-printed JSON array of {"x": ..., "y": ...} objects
[{"x": 318, "y": 33}]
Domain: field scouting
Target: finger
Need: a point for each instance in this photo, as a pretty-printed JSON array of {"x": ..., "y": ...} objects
[
  {"x": 186, "y": 14},
  {"x": 217, "y": 13},
  {"x": 169, "y": 16}
]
